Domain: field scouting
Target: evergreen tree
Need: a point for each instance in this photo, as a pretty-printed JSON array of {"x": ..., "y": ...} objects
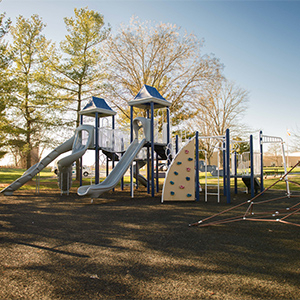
[
  {"x": 32, "y": 112},
  {"x": 79, "y": 70},
  {"x": 5, "y": 84}
]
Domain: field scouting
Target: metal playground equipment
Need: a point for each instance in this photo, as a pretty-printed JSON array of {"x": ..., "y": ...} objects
[{"x": 247, "y": 166}]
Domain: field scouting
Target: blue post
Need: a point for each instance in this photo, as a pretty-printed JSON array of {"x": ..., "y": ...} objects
[
  {"x": 224, "y": 167},
  {"x": 152, "y": 149},
  {"x": 131, "y": 139},
  {"x": 97, "y": 148},
  {"x": 168, "y": 125},
  {"x": 168, "y": 136},
  {"x": 235, "y": 173},
  {"x": 197, "y": 167},
  {"x": 251, "y": 166},
  {"x": 261, "y": 162},
  {"x": 148, "y": 170},
  {"x": 148, "y": 160},
  {"x": 156, "y": 175},
  {"x": 228, "y": 165},
  {"x": 113, "y": 143}
]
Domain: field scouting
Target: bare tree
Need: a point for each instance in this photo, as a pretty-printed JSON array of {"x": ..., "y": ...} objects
[
  {"x": 159, "y": 55},
  {"x": 223, "y": 106}
]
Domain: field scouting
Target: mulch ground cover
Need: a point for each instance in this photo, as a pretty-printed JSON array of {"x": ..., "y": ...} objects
[{"x": 65, "y": 247}]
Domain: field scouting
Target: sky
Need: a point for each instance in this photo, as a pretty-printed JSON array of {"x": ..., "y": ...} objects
[{"x": 257, "y": 41}]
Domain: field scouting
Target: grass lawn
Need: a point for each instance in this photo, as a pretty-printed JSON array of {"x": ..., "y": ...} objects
[{"x": 48, "y": 180}]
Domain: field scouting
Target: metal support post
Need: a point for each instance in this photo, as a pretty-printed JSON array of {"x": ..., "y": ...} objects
[
  {"x": 227, "y": 166},
  {"x": 261, "y": 162},
  {"x": 97, "y": 175},
  {"x": 197, "y": 167},
  {"x": 152, "y": 150},
  {"x": 251, "y": 166}
]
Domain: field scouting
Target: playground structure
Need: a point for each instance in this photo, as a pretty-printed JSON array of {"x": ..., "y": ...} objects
[
  {"x": 142, "y": 145},
  {"x": 247, "y": 166},
  {"x": 112, "y": 144}
]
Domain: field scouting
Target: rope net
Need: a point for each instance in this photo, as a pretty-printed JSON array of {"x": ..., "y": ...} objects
[{"x": 288, "y": 208}]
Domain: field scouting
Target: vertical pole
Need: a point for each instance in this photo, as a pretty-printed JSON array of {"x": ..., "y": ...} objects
[
  {"x": 131, "y": 139},
  {"x": 107, "y": 166},
  {"x": 148, "y": 161},
  {"x": 197, "y": 167},
  {"x": 251, "y": 166},
  {"x": 176, "y": 143},
  {"x": 113, "y": 143},
  {"x": 152, "y": 149},
  {"x": 261, "y": 161},
  {"x": 224, "y": 167},
  {"x": 136, "y": 174},
  {"x": 131, "y": 124},
  {"x": 156, "y": 175},
  {"x": 168, "y": 125},
  {"x": 168, "y": 136},
  {"x": 228, "y": 165},
  {"x": 80, "y": 159},
  {"x": 96, "y": 148},
  {"x": 235, "y": 172}
]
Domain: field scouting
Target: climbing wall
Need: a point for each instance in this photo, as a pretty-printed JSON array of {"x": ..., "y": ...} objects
[{"x": 179, "y": 183}]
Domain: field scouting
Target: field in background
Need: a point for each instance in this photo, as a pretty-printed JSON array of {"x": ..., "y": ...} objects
[{"x": 48, "y": 180}]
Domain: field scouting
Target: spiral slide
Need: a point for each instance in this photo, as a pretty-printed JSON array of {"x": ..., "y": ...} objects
[
  {"x": 35, "y": 169},
  {"x": 116, "y": 174},
  {"x": 78, "y": 150},
  {"x": 74, "y": 143}
]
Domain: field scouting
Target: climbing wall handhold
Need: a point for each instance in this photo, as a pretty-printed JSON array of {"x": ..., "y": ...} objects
[
  {"x": 179, "y": 163},
  {"x": 188, "y": 178},
  {"x": 188, "y": 169},
  {"x": 181, "y": 187},
  {"x": 189, "y": 195},
  {"x": 176, "y": 173},
  {"x": 172, "y": 193},
  {"x": 172, "y": 182},
  {"x": 186, "y": 151},
  {"x": 190, "y": 159}
]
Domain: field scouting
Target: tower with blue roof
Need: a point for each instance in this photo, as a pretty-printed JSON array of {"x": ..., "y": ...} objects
[
  {"x": 97, "y": 108},
  {"x": 149, "y": 99}
]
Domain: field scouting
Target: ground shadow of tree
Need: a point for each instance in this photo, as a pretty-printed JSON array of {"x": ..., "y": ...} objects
[{"x": 66, "y": 248}]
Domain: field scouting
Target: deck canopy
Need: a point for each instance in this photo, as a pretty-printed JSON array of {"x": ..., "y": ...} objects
[
  {"x": 97, "y": 105},
  {"x": 148, "y": 95}
]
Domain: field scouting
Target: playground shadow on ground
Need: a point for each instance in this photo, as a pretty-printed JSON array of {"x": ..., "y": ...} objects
[{"x": 64, "y": 247}]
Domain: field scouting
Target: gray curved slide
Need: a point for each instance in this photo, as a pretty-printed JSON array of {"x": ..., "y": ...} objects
[
  {"x": 78, "y": 150},
  {"x": 35, "y": 169},
  {"x": 116, "y": 174}
]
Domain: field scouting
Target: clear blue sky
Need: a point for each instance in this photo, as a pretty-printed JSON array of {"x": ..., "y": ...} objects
[{"x": 257, "y": 41}]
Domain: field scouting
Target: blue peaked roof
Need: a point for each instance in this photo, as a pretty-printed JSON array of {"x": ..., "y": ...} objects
[
  {"x": 147, "y": 95},
  {"x": 97, "y": 105},
  {"x": 148, "y": 91}
]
